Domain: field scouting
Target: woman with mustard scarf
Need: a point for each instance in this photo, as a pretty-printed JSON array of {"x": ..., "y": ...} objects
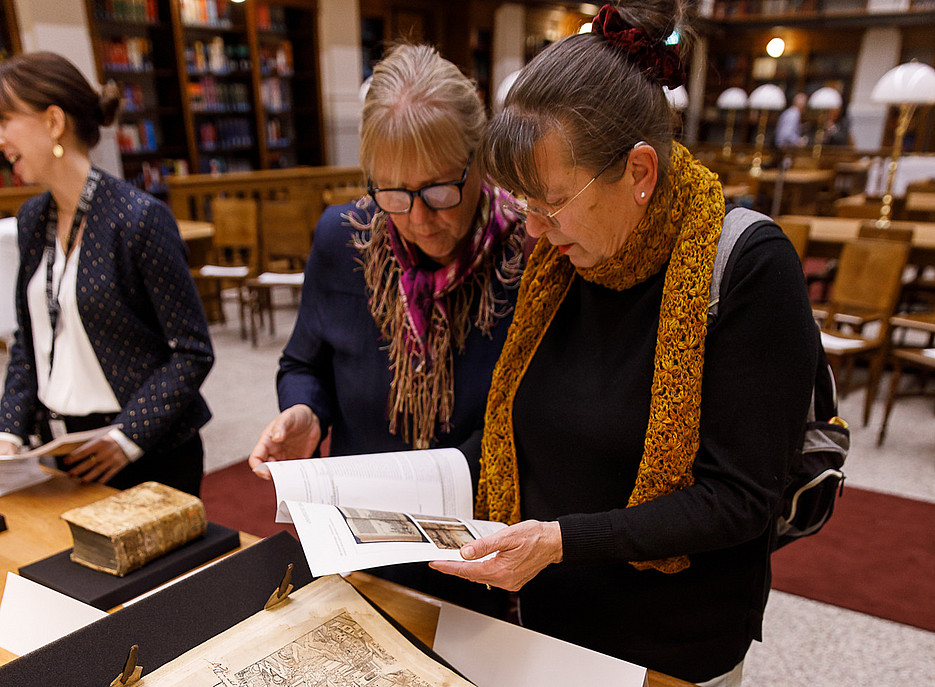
[{"x": 637, "y": 453}]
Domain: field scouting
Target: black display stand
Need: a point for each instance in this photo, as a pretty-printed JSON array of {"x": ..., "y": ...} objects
[
  {"x": 168, "y": 623},
  {"x": 104, "y": 591}
]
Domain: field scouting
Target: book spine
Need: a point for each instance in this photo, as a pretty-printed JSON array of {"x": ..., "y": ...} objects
[{"x": 138, "y": 546}]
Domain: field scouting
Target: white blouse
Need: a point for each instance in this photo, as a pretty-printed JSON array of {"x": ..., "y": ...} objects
[{"x": 75, "y": 384}]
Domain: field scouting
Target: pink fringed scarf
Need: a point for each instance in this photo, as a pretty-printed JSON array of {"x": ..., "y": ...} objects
[{"x": 426, "y": 314}]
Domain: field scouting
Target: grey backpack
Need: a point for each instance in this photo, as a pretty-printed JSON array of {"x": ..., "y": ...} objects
[{"x": 815, "y": 478}]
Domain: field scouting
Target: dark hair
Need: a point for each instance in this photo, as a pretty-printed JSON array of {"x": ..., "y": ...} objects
[
  {"x": 593, "y": 93},
  {"x": 43, "y": 79}
]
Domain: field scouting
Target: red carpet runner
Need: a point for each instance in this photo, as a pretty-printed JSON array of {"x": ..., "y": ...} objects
[{"x": 876, "y": 555}]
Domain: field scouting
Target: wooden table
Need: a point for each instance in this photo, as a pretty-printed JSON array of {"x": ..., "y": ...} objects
[
  {"x": 800, "y": 187},
  {"x": 827, "y": 235},
  {"x": 418, "y": 613},
  {"x": 35, "y": 530}
]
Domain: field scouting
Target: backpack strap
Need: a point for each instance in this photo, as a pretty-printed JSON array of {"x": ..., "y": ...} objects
[{"x": 739, "y": 225}]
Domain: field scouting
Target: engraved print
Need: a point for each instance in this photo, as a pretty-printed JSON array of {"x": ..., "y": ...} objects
[{"x": 337, "y": 653}]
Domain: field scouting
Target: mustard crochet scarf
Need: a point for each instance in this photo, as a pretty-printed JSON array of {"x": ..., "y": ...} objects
[{"x": 682, "y": 225}]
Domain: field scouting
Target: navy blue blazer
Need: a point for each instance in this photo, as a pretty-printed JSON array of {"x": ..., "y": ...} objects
[
  {"x": 336, "y": 361},
  {"x": 140, "y": 309}
]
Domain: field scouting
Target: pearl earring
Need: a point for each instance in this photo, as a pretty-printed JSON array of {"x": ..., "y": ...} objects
[
  {"x": 58, "y": 150},
  {"x": 642, "y": 194}
]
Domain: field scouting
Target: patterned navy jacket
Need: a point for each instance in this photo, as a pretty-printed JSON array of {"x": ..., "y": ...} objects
[{"x": 140, "y": 309}]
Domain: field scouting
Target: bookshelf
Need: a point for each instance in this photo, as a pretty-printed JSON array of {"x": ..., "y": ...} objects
[
  {"x": 210, "y": 86},
  {"x": 133, "y": 47}
]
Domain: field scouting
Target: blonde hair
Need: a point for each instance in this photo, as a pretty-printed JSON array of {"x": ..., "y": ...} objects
[{"x": 420, "y": 109}]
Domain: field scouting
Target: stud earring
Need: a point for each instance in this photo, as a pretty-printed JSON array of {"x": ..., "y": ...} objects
[
  {"x": 642, "y": 194},
  {"x": 58, "y": 150}
]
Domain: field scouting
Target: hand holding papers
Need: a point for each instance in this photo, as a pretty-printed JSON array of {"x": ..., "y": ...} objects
[{"x": 355, "y": 512}]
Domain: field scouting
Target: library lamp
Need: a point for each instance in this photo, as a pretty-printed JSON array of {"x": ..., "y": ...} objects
[
  {"x": 764, "y": 98},
  {"x": 731, "y": 99},
  {"x": 823, "y": 99},
  {"x": 908, "y": 85}
]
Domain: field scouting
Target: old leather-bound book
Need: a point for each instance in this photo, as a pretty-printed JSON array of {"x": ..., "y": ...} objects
[{"x": 123, "y": 532}]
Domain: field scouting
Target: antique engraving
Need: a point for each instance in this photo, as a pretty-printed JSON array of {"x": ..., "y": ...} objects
[{"x": 324, "y": 635}]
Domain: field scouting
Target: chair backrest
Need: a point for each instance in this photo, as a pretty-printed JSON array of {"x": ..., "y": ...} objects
[
  {"x": 286, "y": 227},
  {"x": 896, "y": 231},
  {"x": 869, "y": 275},
  {"x": 236, "y": 231},
  {"x": 797, "y": 232}
]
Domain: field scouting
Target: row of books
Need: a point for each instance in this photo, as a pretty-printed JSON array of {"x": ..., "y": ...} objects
[
  {"x": 270, "y": 18},
  {"x": 133, "y": 98},
  {"x": 223, "y": 165},
  {"x": 275, "y": 95},
  {"x": 227, "y": 133},
  {"x": 215, "y": 13},
  {"x": 137, "y": 11},
  {"x": 276, "y": 59},
  {"x": 152, "y": 176},
  {"x": 209, "y": 95},
  {"x": 128, "y": 54},
  {"x": 216, "y": 57},
  {"x": 275, "y": 136},
  {"x": 139, "y": 137}
]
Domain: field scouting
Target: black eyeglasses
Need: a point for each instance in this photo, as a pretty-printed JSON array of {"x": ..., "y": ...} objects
[{"x": 398, "y": 201}]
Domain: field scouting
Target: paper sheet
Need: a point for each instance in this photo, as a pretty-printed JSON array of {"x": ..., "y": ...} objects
[
  {"x": 492, "y": 653},
  {"x": 32, "y": 615},
  {"x": 338, "y": 539},
  {"x": 430, "y": 481},
  {"x": 19, "y": 472}
]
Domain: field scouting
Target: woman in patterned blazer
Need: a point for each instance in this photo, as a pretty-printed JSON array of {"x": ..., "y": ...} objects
[{"x": 111, "y": 331}]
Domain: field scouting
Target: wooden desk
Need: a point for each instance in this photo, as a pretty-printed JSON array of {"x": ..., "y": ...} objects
[
  {"x": 35, "y": 530},
  {"x": 800, "y": 187},
  {"x": 418, "y": 613},
  {"x": 827, "y": 235}
]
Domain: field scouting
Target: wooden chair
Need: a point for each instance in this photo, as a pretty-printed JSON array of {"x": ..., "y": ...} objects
[
  {"x": 865, "y": 290},
  {"x": 916, "y": 357},
  {"x": 234, "y": 255},
  {"x": 857, "y": 317},
  {"x": 797, "y": 232},
  {"x": 286, "y": 228}
]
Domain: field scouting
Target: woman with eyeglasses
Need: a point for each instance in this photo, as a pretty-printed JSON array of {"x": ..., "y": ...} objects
[
  {"x": 637, "y": 452},
  {"x": 408, "y": 293}
]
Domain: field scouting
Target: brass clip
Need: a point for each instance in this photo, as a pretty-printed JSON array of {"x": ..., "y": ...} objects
[
  {"x": 131, "y": 672},
  {"x": 282, "y": 591}
]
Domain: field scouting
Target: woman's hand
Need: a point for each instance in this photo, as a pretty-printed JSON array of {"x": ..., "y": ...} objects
[
  {"x": 523, "y": 550},
  {"x": 294, "y": 433},
  {"x": 8, "y": 448},
  {"x": 97, "y": 461}
]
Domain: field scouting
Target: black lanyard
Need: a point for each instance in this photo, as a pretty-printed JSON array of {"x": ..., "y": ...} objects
[{"x": 51, "y": 236}]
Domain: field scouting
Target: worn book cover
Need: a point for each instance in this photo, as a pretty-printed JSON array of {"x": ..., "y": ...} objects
[{"x": 123, "y": 532}]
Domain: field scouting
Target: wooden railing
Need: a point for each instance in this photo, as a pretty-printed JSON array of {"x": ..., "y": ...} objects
[
  {"x": 14, "y": 196},
  {"x": 190, "y": 196}
]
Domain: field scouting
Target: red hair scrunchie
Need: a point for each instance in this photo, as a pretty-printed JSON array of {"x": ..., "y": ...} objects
[{"x": 658, "y": 61}]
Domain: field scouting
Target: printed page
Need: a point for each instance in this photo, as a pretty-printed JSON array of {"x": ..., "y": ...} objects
[
  {"x": 428, "y": 481},
  {"x": 342, "y": 538},
  {"x": 325, "y": 634},
  {"x": 19, "y": 471}
]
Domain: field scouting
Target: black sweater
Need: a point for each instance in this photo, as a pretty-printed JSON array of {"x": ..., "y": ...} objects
[{"x": 580, "y": 418}]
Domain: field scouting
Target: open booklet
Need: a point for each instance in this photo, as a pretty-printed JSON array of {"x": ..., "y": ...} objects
[{"x": 357, "y": 512}]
